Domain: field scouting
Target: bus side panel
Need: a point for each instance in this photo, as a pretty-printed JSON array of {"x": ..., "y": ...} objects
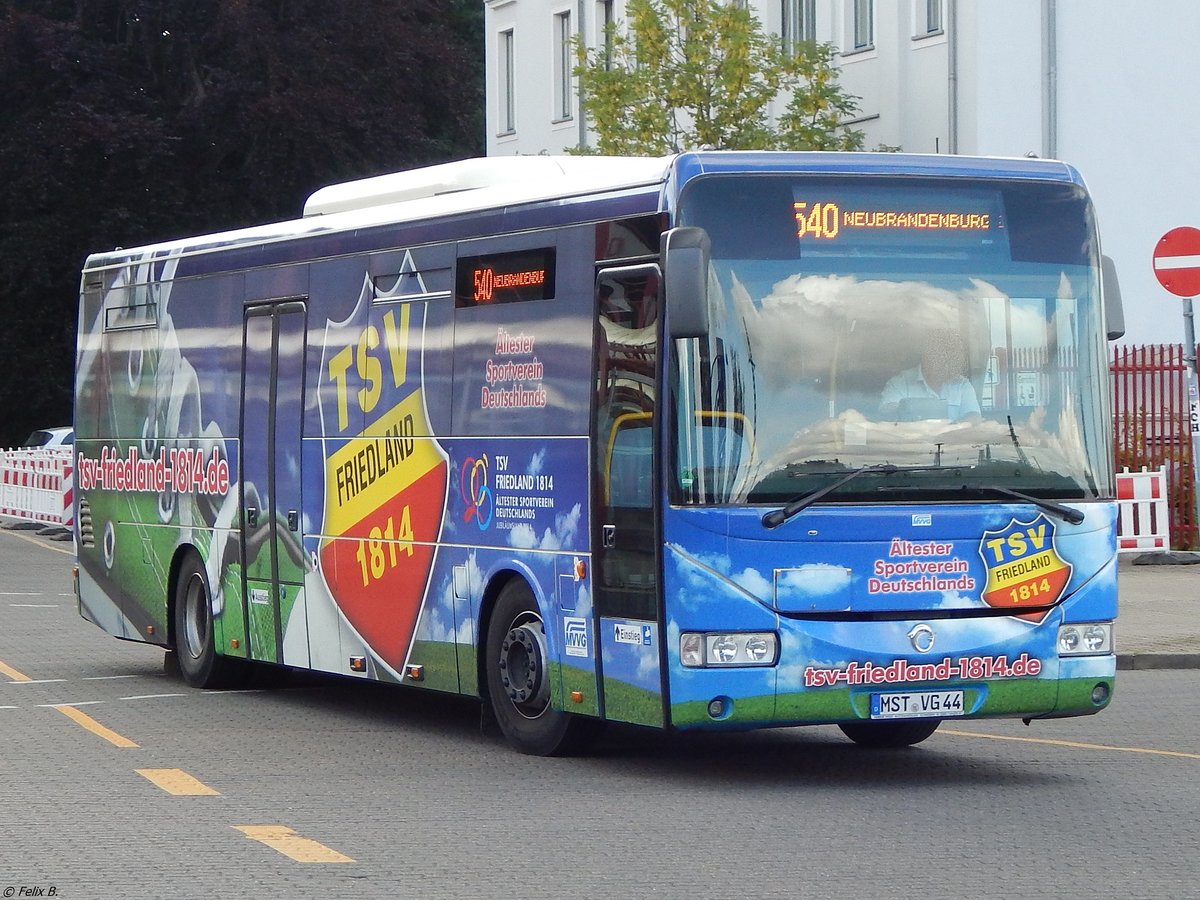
[
  {"x": 155, "y": 463},
  {"x": 518, "y": 499},
  {"x": 515, "y": 505},
  {"x": 632, "y": 679},
  {"x": 380, "y": 334}
]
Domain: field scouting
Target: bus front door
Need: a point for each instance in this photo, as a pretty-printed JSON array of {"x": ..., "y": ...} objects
[
  {"x": 271, "y": 422},
  {"x": 625, "y": 558}
]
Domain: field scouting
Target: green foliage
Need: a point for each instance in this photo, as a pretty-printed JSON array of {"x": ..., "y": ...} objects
[{"x": 685, "y": 74}]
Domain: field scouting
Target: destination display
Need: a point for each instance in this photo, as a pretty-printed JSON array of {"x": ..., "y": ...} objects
[
  {"x": 505, "y": 278},
  {"x": 832, "y": 216}
]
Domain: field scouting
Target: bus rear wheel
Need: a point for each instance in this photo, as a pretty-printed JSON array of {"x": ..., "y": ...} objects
[
  {"x": 518, "y": 679},
  {"x": 195, "y": 646},
  {"x": 889, "y": 734}
]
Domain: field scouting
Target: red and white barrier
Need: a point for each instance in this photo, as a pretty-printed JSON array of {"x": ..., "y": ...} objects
[
  {"x": 1144, "y": 522},
  {"x": 37, "y": 485}
]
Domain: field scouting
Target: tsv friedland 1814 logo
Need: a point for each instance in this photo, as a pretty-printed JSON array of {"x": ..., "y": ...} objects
[
  {"x": 1024, "y": 570},
  {"x": 386, "y": 474}
]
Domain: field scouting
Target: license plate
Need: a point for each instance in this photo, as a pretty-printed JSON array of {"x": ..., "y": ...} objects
[{"x": 917, "y": 705}]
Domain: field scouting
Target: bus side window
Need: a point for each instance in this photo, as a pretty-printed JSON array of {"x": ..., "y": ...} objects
[
  {"x": 628, "y": 317},
  {"x": 630, "y": 463}
]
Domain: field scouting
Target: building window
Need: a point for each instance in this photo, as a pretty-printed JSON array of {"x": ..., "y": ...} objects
[
  {"x": 864, "y": 24},
  {"x": 562, "y": 66},
  {"x": 933, "y": 16},
  {"x": 799, "y": 22},
  {"x": 508, "y": 85}
]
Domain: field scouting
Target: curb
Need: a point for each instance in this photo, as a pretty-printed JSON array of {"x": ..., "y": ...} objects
[
  {"x": 1143, "y": 661},
  {"x": 1167, "y": 558}
]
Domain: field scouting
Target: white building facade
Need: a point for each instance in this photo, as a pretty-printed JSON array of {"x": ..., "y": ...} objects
[{"x": 1103, "y": 84}]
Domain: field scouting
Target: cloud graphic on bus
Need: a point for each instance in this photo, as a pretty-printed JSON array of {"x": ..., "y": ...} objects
[
  {"x": 814, "y": 579},
  {"x": 957, "y": 600},
  {"x": 706, "y": 573},
  {"x": 583, "y": 599},
  {"x": 435, "y": 629},
  {"x": 440, "y": 611},
  {"x": 718, "y": 566},
  {"x": 523, "y": 537},
  {"x": 537, "y": 462},
  {"x": 564, "y": 534},
  {"x": 647, "y": 670}
]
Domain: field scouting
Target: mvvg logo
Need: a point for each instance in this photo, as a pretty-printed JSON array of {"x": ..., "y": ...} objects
[{"x": 575, "y": 632}]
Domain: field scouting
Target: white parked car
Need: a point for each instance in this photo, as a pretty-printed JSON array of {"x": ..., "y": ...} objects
[{"x": 51, "y": 437}]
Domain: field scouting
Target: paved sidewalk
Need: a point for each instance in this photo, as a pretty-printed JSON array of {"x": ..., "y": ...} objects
[{"x": 1158, "y": 621}]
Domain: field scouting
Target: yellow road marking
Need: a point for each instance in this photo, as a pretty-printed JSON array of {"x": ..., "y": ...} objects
[
  {"x": 178, "y": 782},
  {"x": 290, "y": 844},
  {"x": 13, "y": 673},
  {"x": 1077, "y": 745},
  {"x": 95, "y": 727}
]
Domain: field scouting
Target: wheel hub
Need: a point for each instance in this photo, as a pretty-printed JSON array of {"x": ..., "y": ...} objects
[
  {"x": 523, "y": 668},
  {"x": 196, "y": 618}
]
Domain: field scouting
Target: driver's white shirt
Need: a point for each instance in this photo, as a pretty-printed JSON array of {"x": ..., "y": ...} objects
[{"x": 910, "y": 384}]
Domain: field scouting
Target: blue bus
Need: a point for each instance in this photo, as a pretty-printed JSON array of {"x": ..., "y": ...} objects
[{"x": 724, "y": 440}]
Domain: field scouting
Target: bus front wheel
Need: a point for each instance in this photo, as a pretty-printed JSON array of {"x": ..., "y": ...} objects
[
  {"x": 889, "y": 734},
  {"x": 195, "y": 646},
  {"x": 518, "y": 679}
]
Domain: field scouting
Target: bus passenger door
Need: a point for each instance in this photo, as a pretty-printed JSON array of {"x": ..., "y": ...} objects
[
  {"x": 625, "y": 504},
  {"x": 271, "y": 422}
]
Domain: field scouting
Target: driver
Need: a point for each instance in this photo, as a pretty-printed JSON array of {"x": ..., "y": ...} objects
[{"x": 939, "y": 376}]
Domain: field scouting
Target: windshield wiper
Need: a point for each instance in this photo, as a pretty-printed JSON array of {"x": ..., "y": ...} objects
[
  {"x": 1073, "y": 516},
  {"x": 777, "y": 517}
]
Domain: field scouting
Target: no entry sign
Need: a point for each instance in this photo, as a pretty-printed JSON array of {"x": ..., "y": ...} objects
[{"x": 1177, "y": 261}]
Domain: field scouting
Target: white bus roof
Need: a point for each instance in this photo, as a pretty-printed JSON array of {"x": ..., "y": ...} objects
[{"x": 536, "y": 176}]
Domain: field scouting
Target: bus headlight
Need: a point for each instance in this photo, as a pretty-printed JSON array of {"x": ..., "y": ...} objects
[
  {"x": 691, "y": 649},
  {"x": 1094, "y": 639},
  {"x": 724, "y": 650},
  {"x": 759, "y": 649},
  {"x": 746, "y": 648},
  {"x": 1097, "y": 638}
]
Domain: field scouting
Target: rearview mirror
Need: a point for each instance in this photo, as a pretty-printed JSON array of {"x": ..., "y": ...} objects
[
  {"x": 685, "y": 254},
  {"x": 1114, "y": 312}
]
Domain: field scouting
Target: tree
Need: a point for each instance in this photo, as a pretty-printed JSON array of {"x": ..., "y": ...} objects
[
  {"x": 702, "y": 73},
  {"x": 132, "y": 121}
]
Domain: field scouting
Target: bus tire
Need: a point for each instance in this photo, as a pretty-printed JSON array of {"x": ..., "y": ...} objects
[
  {"x": 889, "y": 734},
  {"x": 518, "y": 679},
  {"x": 195, "y": 646}
]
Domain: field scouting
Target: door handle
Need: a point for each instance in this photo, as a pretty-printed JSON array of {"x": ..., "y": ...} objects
[
  {"x": 293, "y": 520},
  {"x": 251, "y": 517},
  {"x": 609, "y": 536}
]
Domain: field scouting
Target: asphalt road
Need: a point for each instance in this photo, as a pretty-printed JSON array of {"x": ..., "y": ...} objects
[{"x": 120, "y": 781}]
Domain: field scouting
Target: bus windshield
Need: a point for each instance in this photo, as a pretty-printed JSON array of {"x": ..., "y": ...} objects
[{"x": 944, "y": 336}]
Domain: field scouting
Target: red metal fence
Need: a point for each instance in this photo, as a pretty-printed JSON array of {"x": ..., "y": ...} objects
[{"x": 1152, "y": 428}]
